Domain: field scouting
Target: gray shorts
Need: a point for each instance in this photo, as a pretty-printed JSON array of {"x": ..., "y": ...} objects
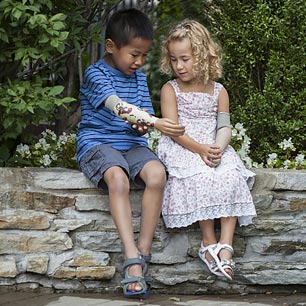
[{"x": 100, "y": 158}]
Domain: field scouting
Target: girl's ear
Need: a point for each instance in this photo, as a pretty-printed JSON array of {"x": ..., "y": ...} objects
[{"x": 109, "y": 46}]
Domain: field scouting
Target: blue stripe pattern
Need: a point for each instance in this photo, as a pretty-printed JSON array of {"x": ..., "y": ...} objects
[{"x": 99, "y": 125}]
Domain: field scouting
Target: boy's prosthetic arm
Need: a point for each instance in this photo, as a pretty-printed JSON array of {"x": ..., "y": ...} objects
[
  {"x": 129, "y": 112},
  {"x": 224, "y": 132}
]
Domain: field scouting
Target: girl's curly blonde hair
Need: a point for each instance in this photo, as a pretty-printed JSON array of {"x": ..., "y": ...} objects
[{"x": 206, "y": 53}]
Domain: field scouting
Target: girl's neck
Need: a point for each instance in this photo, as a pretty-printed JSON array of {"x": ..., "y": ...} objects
[{"x": 196, "y": 85}]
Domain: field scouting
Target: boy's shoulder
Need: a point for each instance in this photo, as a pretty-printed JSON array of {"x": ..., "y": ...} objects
[{"x": 102, "y": 66}]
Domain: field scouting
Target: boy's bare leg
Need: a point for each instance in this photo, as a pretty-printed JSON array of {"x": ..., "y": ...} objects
[
  {"x": 154, "y": 176},
  {"x": 120, "y": 208}
]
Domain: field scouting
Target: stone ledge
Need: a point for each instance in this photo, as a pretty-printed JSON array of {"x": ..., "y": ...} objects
[{"x": 56, "y": 233}]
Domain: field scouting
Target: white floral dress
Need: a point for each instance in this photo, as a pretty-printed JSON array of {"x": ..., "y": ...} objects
[{"x": 195, "y": 191}]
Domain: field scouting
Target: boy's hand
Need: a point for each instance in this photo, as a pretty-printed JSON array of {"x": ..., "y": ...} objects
[
  {"x": 169, "y": 128},
  {"x": 140, "y": 129}
]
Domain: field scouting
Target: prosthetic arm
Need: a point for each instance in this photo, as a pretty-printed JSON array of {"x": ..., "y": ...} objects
[
  {"x": 129, "y": 112},
  {"x": 224, "y": 132}
]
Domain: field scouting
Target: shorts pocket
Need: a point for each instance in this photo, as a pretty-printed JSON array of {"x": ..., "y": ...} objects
[{"x": 91, "y": 163}]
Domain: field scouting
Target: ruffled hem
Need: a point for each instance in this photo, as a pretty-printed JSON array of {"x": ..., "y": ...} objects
[
  {"x": 180, "y": 172},
  {"x": 245, "y": 213}
]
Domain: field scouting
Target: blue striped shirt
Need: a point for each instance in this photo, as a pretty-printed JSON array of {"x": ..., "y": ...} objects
[{"x": 99, "y": 125}]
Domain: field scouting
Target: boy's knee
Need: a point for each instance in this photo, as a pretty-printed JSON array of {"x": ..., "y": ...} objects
[
  {"x": 157, "y": 179},
  {"x": 116, "y": 180}
]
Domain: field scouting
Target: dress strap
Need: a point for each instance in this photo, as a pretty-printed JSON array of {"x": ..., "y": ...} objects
[
  {"x": 217, "y": 89},
  {"x": 175, "y": 86}
]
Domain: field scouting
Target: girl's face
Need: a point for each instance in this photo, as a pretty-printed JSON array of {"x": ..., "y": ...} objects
[{"x": 181, "y": 59}]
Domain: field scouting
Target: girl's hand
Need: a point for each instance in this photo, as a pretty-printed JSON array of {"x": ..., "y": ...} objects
[
  {"x": 211, "y": 154},
  {"x": 169, "y": 128}
]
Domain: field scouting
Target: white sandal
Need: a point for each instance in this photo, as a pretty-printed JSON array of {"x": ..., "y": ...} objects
[
  {"x": 223, "y": 263},
  {"x": 211, "y": 265}
]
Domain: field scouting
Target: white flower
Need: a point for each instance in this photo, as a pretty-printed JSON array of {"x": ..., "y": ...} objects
[
  {"x": 247, "y": 140},
  {"x": 287, "y": 144},
  {"x": 23, "y": 150},
  {"x": 300, "y": 158},
  {"x": 62, "y": 139},
  {"x": 45, "y": 160},
  {"x": 272, "y": 156},
  {"x": 271, "y": 161},
  {"x": 242, "y": 153},
  {"x": 53, "y": 155},
  {"x": 286, "y": 163},
  {"x": 239, "y": 127},
  {"x": 248, "y": 162},
  {"x": 234, "y": 133},
  {"x": 43, "y": 144}
]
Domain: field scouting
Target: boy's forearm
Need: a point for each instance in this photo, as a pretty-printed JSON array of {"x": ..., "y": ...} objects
[{"x": 129, "y": 112}]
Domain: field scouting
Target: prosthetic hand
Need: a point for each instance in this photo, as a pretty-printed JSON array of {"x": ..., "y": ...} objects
[
  {"x": 129, "y": 112},
  {"x": 137, "y": 116},
  {"x": 224, "y": 134}
]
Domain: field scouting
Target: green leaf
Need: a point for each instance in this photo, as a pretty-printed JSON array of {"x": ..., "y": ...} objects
[
  {"x": 57, "y": 17},
  {"x": 56, "y": 90}
]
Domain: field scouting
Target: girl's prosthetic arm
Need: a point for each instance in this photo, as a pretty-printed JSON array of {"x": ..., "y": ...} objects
[
  {"x": 224, "y": 132},
  {"x": 129, "y": 112}
]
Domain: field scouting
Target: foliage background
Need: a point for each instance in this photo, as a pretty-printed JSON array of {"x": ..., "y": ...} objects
[
  {"x": 46, "y": 45},
  {"x": 264, "y": 60}
]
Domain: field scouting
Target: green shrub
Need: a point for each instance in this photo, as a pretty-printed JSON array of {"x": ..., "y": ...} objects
[{"x": 264, "y": 58}]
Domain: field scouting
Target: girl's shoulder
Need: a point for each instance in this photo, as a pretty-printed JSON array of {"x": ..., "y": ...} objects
[
  {"x": 173, "y": 83},
  {"x": 217, "y": 88}
]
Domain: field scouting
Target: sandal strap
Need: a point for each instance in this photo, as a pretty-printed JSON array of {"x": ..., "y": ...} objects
[
  {"x": 226, "y": 247},
  {"x": 133, "y": 261},
  {"x": 132, "y": 279},
  {"x": 147, "y": 258},
  {"x": 229, "y": 263},
  {"x": 204, "y": 249}
]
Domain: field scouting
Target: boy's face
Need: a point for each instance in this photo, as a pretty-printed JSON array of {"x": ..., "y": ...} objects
[{"x": 130, "y": 57}]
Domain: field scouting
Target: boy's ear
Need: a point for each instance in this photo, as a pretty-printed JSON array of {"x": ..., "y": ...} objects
[{"x": 109, "y": 46}]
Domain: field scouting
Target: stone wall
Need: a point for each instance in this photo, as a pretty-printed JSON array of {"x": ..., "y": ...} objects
[{"x": 56, "y": 233}]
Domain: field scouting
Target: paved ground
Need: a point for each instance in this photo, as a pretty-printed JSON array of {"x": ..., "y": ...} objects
[{"x": 43, "y": 299}]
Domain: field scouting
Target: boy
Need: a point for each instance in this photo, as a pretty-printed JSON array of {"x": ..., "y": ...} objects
[{"x": 111, "y": 151}]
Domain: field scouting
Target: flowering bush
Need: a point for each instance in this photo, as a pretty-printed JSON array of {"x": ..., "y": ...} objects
[
  {"x": 59, "y": 151},
  {"x": 153, "y": 136},
  {"x": 49, "y": 151},
  {"x": 285, "y": 158}
]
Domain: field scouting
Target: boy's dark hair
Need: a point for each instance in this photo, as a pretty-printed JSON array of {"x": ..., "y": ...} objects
[{"x": 124, "y": 25}]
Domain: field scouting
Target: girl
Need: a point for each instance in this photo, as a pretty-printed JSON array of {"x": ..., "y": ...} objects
[{"x": 207, "y": 179}]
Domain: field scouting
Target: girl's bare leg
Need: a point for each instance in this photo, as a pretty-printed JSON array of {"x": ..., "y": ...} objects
[
  {"x": 228, "y": 226},
  {"x": 208, "y": 234}
]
